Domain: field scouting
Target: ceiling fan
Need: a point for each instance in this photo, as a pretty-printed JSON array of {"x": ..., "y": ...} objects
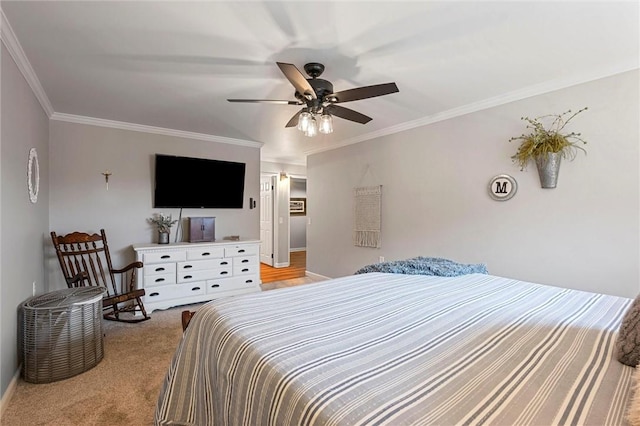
[{"x": 319, "y": 99}]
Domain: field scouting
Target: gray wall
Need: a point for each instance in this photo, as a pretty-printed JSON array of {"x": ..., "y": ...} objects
[
  {"x": 584, "y": 234},
  {"x": 23, "y": 225},
  {"x": 80, "y": 200}
]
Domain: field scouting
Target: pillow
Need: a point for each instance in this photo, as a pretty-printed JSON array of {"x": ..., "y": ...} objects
[
  {"x": 628, "y": 340},
  {"x": 633, "y": 410}
]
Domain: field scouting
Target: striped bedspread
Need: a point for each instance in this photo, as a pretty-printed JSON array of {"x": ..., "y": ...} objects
[{"x": 386, "y": 349}]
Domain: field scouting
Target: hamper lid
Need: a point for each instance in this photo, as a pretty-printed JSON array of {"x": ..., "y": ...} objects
[{"x": 65, "y": 297}]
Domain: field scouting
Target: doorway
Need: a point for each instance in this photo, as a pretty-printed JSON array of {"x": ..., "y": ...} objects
[
  {"x": 298, "y": 217},
  {"x": 282, "y": 230},
  {"x": 266, "y": 220}
]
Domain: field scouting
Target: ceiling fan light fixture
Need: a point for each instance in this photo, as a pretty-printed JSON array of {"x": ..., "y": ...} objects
[
  {"x": 317, "y": 96},
  {"x": 312, "y": 128},
  {"x": 303, "y": 121},
  {"x": 326, "y": 124}
]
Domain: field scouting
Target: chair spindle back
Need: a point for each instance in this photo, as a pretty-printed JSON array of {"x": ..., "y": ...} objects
[{"x": 80, "y": 252}]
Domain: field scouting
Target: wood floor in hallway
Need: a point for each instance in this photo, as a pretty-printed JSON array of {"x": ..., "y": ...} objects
[{"x": 296, "y": 269}]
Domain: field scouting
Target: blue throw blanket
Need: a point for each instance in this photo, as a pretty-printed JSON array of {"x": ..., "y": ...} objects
[{"x": 425, "y": 266}]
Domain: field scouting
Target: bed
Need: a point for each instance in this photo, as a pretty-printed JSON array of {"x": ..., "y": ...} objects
[{"x": 395, "y": 349}]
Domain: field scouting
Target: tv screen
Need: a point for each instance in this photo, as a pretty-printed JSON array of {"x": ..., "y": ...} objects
[{"x": 198, "y": 183}]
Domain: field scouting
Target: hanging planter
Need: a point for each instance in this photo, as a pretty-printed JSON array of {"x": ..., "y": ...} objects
[
  {"x": 547, "y": 146},
  {"x": 548, "y": 168}
]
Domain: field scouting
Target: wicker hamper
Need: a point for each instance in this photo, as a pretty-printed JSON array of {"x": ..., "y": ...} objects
[{"x": 62, "y": 334}]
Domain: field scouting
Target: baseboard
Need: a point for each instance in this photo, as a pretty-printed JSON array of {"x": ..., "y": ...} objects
[
  {"x": 316, "y": 276},
  {"x": 291, "y": 250},
  {"x": 281, "y": 265},
  {"x": 8, "y": 394}
]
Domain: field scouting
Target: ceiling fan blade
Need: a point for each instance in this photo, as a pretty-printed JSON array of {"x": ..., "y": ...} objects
[
  {"x": 296, "y": 78},
  {"x": 348, "y": 114},
  {"x": 266, "y": 101},
  {"x": 363, "y": 92},
  {"x": 294, "y": 120}
]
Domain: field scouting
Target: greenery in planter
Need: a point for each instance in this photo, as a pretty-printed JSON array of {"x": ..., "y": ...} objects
[
  {"x": 164, "y": 223},
  {"x": 541, "y": 140}
]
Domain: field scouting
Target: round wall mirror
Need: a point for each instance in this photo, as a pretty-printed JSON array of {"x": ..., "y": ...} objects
[{"x": 33, "y": 175}]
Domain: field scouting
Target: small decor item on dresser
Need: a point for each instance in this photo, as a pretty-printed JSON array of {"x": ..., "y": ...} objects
[
  {"x": 164, "y": 224},
  {"x": 201, "y": 229},
  {"x": 163, "y": 237},
  {"x": 547, "y": 146}
]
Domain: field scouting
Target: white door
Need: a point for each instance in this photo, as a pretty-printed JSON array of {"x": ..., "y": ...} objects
[{"x": 266, "y": 220}]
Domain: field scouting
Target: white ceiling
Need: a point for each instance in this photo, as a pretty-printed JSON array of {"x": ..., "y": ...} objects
[{"x": 172, "y": 65}]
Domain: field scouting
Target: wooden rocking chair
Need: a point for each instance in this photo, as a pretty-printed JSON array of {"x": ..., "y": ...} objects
[
  {"x": 186, "y": 318},
  {"x": 85, "y": 261}
]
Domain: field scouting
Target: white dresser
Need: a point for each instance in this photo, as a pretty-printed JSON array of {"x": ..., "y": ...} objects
[{"x": 183, "y": 273}]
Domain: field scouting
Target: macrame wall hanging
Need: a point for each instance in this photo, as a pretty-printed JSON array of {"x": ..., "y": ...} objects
[{"x": 367, "y": 216}]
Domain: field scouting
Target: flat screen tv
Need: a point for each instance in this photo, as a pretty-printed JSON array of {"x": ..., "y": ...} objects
[{"x": 198, "y": 183}]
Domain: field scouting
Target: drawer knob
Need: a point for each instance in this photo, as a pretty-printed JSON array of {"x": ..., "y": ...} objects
[
  {"x": 187, "y": 267},
  {"x": 245, "y": 270},
  {"x": 224, "y": 263},
  {"x": 159, "y": 269},
  {"x": 248, "y": 281},
  {"x": 154, "y": 294},
  {"x": 206, "y": 253},
  {"x": 245, "y": 260},
  {"x": 166, "y": 256},
  {"x": 241, "y": 251},
  {"x": 195, "y": 289},
  {"x": 188, "y": 277},
  {"x": 215, "y": 285},
  {"x": 224, "y": 273},
  {"x": 159, "y": 280}
]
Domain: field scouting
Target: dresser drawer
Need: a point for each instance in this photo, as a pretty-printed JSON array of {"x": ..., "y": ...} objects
[
  {"x": 168, "y": 256},
  {"x": 245, "y": 260},
  {"x": 205, "y": 274},
  {"x": 159, "y": 268},
  {"x": 198, "y": 265},
  {"x": 175, "y": 291},
  {"x": 240, "y": 250},
  {"x": 245, "y": 269},
  {"x": 248, "y": 281},
  {"x": 159, "y": 279},
  {"x": 203, "y": 253},
  {"x": 229, "y": 284}
]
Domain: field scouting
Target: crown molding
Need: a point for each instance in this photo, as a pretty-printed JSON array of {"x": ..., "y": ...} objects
[
  {"x": 516, "y": 95},
  {"x": 79, "y": 119},
  {"x": 10, "y": 41},
  {"x": 12, "y": 44}
]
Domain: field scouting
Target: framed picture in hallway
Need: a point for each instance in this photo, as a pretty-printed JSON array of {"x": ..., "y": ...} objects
[{"x": 298, "y": 206}]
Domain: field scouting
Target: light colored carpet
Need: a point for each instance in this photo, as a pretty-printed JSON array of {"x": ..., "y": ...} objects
[{"x": 122, "y": 389}]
